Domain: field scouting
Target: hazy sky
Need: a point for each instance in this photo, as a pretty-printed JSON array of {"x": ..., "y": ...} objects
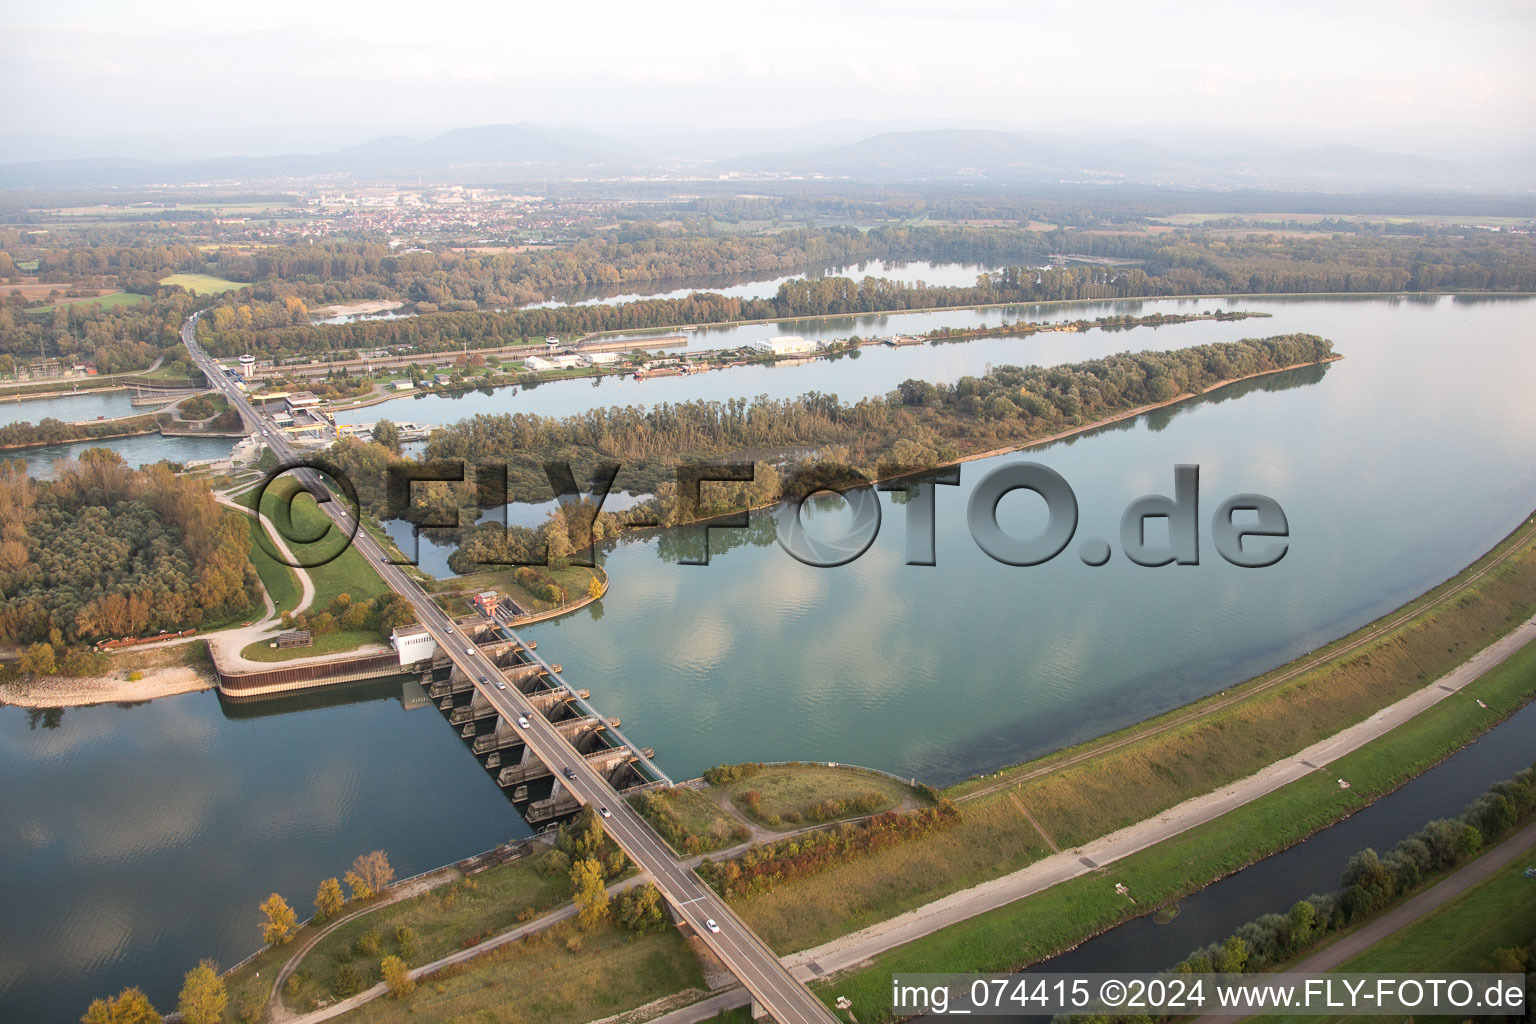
[{"x": 1404, "y": 74}]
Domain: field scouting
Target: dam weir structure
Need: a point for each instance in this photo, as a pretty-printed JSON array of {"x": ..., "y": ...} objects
[{"x": 535, "y": 787}]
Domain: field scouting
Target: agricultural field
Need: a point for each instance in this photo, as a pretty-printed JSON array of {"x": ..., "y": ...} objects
[
  {"x": 108, "y": 301},
  {"x": 202, "y": 284}
]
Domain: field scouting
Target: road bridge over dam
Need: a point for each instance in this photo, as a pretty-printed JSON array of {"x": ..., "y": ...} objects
[{"x": 500, "y": 742}]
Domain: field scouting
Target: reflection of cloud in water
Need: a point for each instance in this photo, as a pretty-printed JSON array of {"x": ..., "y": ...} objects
[{"x": 706, "y": 643}]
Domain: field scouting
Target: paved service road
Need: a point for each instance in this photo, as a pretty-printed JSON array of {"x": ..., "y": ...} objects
[
  {"x": 747, "y": 956},
  {"x": 1436, "y": 896}
]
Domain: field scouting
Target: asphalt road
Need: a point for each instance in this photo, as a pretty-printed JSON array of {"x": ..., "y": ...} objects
[
  {"x": 1427, "y": 902},
  {"x": 747, "y": 956}
]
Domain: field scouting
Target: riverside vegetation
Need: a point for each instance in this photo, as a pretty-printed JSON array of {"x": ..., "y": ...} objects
[{"x": 799, "y": 444}]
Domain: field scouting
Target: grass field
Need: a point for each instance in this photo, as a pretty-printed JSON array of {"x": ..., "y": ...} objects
[
  {"x": 443, "y": 920},
  {"x": 540, "y": 980},
  {"x": 451, "y": 593},
  {"x": 1124, "y": 784},
  {"x": 347, "y": 573},
  {"x": 697, "y": 822},
  {"x": 108, "y": 301},
  {"x": 279, "y": 579},
  {"x": 1459, "y": 937},
  {"x": 1049, "y": 922},
  {"x": 787, "y": 793},
  {"x": 202, "y": 284}
]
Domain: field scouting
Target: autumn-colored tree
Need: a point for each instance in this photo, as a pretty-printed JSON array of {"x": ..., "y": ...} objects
[
  {"x": 370, "y": 875},
  {"x": 38, "y": 659},
  {"x": 131, "y": 1006},
  {"x": 595, "y": 588},
  {"x": 203, "y": 995},
  {"x": 397, "y": 977},
  {"x": 280, "y": 922},
  {"x": 328, "y": 898},
  {"x": 589, "y": 893}
]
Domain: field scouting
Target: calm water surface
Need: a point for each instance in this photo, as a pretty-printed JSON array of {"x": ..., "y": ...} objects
[
  {"x": 69, "y": 408},
  {"x": 147, "y": 835},
  {"x": 1315, "y": 866},
  {"x": 136, "y": 451},
  {"x": 750, "y": 286}
]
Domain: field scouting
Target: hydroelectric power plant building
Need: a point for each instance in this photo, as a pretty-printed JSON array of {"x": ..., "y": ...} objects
[
  {"x": 412, "y": 644},
  {"x": 788, "y": 345}
]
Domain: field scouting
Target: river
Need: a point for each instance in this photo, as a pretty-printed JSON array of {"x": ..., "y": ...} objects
[{"x": 152, "y": 832}]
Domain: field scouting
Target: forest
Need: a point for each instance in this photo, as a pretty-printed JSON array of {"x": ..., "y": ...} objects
[
  {"x": 1145, "y": 265},
  {"x": 103, "y": 550},
  {"x": 795, "y": 445}
]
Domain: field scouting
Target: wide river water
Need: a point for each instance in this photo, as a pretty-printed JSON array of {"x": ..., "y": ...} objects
[{"x": 148, "y": 834}]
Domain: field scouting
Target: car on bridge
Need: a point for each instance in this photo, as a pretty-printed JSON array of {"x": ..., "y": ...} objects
[
  {"x": 522, "y": 720},
  {"x": 568, "y": 772},
  {"x": 710, "y": 924}
]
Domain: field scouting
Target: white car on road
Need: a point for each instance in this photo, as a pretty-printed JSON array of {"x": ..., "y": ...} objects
[{"x": 710, "y": 924}]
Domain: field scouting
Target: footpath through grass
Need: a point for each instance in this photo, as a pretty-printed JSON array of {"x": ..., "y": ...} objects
[
  {"x": 346, "y": 573},
  {"x": 281, "y": 582},
  {"x": 785, "y": 797},
  {"x": 558, "y": 976},
  {"x": 1080, "y": 794},
  {"x": 1060, "y": 917},
  {"x": 443, "y": 920}
]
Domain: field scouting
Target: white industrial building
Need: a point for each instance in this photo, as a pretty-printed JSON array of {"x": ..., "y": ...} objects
[
  {"x": 412, "y": 644},
  {"x": 538, "y": 364},
  {"x": 787, "y": 345},
  {"x": 600, "y": 358}
]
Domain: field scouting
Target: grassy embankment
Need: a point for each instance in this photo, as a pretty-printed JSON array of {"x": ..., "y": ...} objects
[
  {"x": 779, "y": 798},
  {"x": 790, "y": 796},
  {"x": 347, "y": 573},
  {"x": 452, "y": 593},
  {"x": 203, "y": 284},
  {"x": 1499, "y": 913},
  {"x": 1085, "y": 792},
  {"x": 444, "y": 920},
  {"x": 542, "y": 978},
  {"x": 186, "y": 407},
  {"x": 280, "y": 580},
  {"x": 1058, "y": 918}
]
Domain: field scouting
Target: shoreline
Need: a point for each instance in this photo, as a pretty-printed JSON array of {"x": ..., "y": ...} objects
[
  {"x": 1060, "y": 435},
  {"x": 52, "y": 692},
  {"x": 960, "y": 337},
  {"x": 64, "y": 692}
]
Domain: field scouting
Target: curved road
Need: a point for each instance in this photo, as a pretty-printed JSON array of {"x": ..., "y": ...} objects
[{"x": 738, "y": 947}]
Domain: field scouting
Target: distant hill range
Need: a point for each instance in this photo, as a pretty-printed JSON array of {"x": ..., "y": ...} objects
[{"x": 524, "y": 152}]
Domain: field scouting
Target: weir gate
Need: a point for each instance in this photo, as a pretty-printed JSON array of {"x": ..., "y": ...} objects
[{"x": 534, "y": 786}]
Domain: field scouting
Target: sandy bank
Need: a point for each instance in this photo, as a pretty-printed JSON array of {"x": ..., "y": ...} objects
[{"x": 67, "y": 692}]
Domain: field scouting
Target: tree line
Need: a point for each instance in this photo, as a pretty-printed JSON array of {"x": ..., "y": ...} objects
[
  {"x": 1144, "y": 265},
  {"x": 796, "y": 444},
  {"x": 1371, "y": 882}
]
